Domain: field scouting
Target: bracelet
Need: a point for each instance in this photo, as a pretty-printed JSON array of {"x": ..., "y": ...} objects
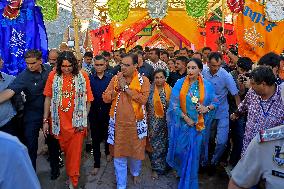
[{"x": 45, "y": 120}]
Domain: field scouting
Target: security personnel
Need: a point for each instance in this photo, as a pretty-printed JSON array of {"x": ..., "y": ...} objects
[
  {"x": 31, "y": 81},
  {"x": 263, "y": 161}
]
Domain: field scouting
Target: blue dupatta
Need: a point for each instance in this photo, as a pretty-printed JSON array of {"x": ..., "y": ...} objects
[{"x": 184, "y": 141}]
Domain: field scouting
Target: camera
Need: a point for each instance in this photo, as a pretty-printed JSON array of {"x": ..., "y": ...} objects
[{"x": 244, "y": 77}]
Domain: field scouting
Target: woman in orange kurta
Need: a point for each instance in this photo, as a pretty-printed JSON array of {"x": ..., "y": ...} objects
[{"x": 68, "y": 96}]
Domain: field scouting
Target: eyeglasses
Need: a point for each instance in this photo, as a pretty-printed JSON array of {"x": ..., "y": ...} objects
[
  {"x": 124, "y": 65},
  {"x": 66, "y": 66}
]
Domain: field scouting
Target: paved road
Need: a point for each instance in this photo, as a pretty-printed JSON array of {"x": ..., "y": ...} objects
[{"x": 106, "y": 178}]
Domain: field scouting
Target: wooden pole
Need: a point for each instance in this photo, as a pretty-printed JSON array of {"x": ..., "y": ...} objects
[
  {"x": 76, "y": 29},
  {"x": 223, "y": 15}
]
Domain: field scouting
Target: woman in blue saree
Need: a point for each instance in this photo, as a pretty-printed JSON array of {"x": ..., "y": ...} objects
[{"x": 191, "y": 110}]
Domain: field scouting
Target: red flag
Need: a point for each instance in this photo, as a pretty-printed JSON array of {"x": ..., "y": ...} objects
[
  {"x": 212, "y": 34},
  {"x": 102, "y": 39}
]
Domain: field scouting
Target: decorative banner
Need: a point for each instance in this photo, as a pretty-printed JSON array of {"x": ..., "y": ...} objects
[
  {"x": 157, "y": 8},
  {"x": 274, "y": 10},
  {"x": 102, "y": 39},
  {"x": 49, "y": 9},
  {"x": 178, "y": 22},
  {"x": 212, "y": 34},
  {"x": 196, "y": 8},
  {"x": 84, "y": 9},
  {"x": 23, "y": 33},
  {"x": 131, "y": 32},
  {"x": 12, "y": 10},
  {"x": 133, "y": 17},
  {"x": 256, "y": 35},
  {"x": 118, "y": 9},
  {"x": 236, "y": 6},
  {"x": 147, "y": 31}
]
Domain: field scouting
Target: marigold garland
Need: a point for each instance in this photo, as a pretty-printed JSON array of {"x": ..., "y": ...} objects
[
  {"x": 118, "y": 9},
  {"x": 196, "y": 8},
  {"x": 49, "y": 9}
]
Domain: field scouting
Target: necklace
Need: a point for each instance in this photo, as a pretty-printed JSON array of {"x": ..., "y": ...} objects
[
  {"x": 66, "y": 94},
  {"x": 194, "y": 95}
]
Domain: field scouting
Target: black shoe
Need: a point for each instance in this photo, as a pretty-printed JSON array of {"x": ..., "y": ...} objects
[
  {"x": 88, "y": 147},
  {"x": 61, "y": 162},
  {"x": 54, "y": 175},
  {"x": 211, "y": 170}
]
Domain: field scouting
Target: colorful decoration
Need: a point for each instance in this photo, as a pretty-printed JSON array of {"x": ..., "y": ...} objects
[
  {"x": 102, "y": 39},
  {"x": 274, "y": 10},
  {"x": 49, "y": 9},
  {"x": 27, "y": 31},
  {"x": 118, "y": 9},
  {"x": 157, "y": 8},
  {"x": 196, "y": 8},
  {"x": 236, "y": 6},
  {"x": 12, "y": 10},
  {"x": 132, "y": 31},
  {"x": 256, "y": 35},
  {"x": 84, "y": 9}
]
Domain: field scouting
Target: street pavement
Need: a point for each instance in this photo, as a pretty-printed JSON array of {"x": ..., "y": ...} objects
[{"x": 105, "y": 179}]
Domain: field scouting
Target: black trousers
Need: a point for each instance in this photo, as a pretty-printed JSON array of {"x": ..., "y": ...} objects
[
  {"x": 54, "y": 153},
  {"x": 10, "y": 127},
  {"x": 99, "y": 128},
  {"x": 31, "y": 134}
]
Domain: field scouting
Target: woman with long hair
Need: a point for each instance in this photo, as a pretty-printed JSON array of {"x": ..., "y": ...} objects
[
  {"x": 157, "y": 105},
  {"x": 190, "y": 112},
  {"x": 68, "y": 96}
]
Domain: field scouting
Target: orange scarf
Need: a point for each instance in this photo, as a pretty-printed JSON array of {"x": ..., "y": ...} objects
[
  {"x": 134, "y": 85},
  {"x": 184, "y": 91},
  {"x": 158, "y": 106}
]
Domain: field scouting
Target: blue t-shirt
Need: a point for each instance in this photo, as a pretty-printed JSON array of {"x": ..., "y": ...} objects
[
  {"x": 223, "y": 83},
  {"x": 16, "y": 170}
]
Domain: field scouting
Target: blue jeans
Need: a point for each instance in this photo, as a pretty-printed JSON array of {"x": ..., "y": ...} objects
[{"x": 220, "y": 131}]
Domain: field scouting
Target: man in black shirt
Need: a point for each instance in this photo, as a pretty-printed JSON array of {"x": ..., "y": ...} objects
[
  {"x": 99, "y": 111},
  {"x": 181, "y": 63},
  {"x": 32, "y": 82}
]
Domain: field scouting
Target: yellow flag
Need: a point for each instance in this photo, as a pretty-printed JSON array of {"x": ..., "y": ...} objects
[{"x": 256, "y": 35}]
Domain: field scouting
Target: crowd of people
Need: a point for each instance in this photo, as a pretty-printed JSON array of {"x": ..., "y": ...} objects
[{"x": 189, "y": 111}]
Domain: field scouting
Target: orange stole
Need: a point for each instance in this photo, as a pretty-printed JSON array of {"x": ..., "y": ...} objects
[
  {"x": 184, "y": 91},
  {"x": 134, "y": 85},
  {"x": 158, "y": 106}
]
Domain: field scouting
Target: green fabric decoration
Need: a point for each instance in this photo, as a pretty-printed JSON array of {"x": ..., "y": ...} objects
[
  {"x": 118, "y": 9},
  {"x": 48, "y": 9},
  {"x": 196, "y": 8}
]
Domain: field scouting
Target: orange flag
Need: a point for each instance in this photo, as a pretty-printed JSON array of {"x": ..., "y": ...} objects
[{"x": 256, "y": 35}]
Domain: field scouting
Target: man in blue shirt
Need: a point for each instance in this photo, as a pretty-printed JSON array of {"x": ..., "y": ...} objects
[
  {"x": 31, "y": 81},
  {"x": 7, "y": 111},
  {"x": 99, "y": 112},
  {"x": 16, "y": 170},
  {"x": 223, "y": 83}
]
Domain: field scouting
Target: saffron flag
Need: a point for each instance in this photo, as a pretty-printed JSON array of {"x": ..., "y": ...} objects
[
  {"x": 256, "y": 35},
  {"x": 102, "y": 39},
  {"x": 24, "y": 32}
]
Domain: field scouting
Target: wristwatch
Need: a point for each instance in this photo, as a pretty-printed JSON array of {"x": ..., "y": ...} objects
[
  {"x": 125, "y": 87},
  {"x": 209, "y": 109}
]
